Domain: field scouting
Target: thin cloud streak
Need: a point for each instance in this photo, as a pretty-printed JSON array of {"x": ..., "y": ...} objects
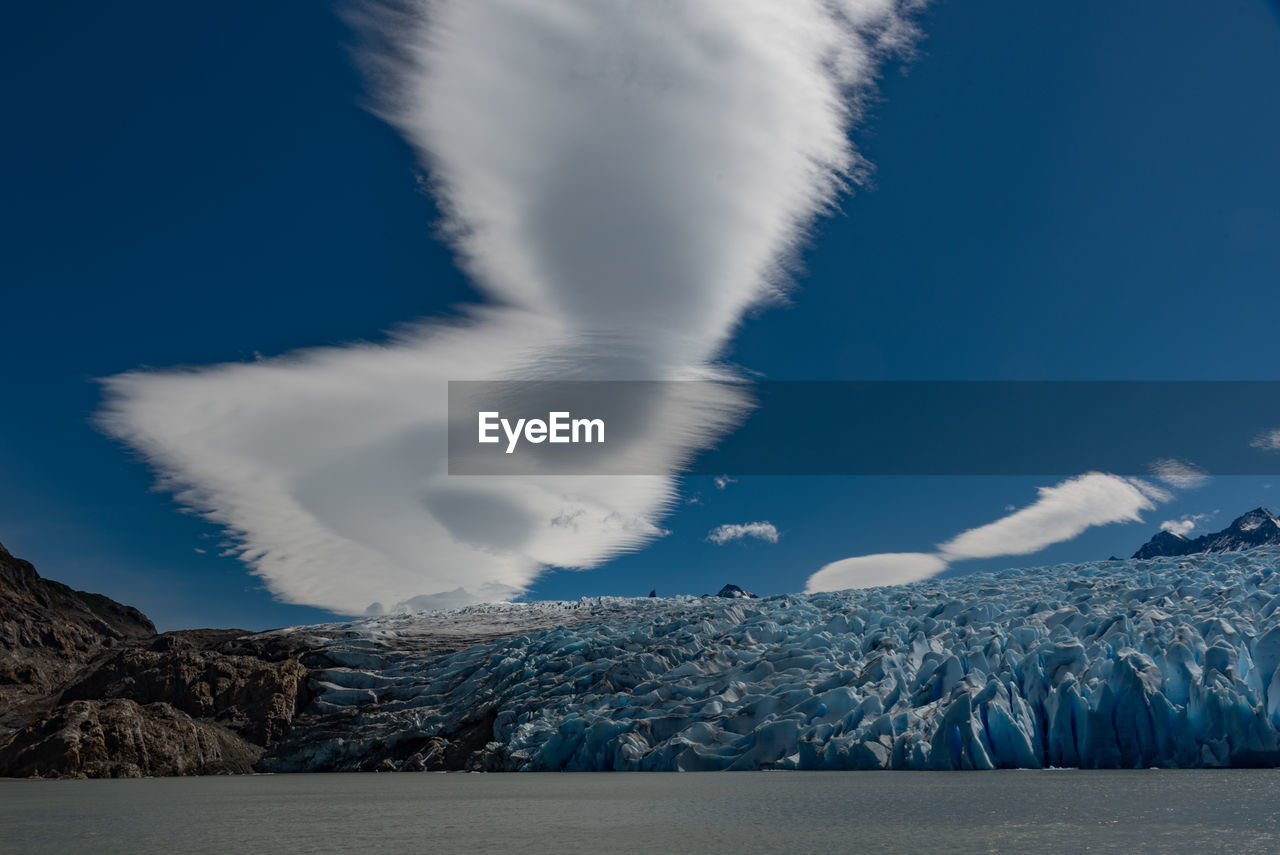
[
  {"x": 1060, "y": 513},
  {"x": 1179, "y": 474}
]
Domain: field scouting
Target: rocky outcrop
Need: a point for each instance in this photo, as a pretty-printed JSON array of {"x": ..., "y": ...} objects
[
  {"x": 122, "y": 739},
  {"x": 1164, "y": 544},
  {"x": 49, "y": 634},
  {"x": 733, "y": 592},
  {"x": 88, "y": 689},
  {"x": 247, "y": 694},
  {"x": 38, "y": 612}
]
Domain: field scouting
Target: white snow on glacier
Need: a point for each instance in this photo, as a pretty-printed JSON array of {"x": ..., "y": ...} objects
[{"x": 1167, "y": 662}]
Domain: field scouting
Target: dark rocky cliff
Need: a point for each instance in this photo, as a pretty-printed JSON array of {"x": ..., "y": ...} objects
[
  {"x": 88, "y": 689},
  {"x": 48, "y": 635}
]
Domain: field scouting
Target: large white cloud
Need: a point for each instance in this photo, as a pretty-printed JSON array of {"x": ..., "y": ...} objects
[{"x": 622, "y": 180}]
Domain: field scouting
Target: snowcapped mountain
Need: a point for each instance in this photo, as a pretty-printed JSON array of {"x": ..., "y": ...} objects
[
  {"x": 1170, "y": 662},
  {"x": 733, "y": 592},
  {"x": 1259, "y": 527}
]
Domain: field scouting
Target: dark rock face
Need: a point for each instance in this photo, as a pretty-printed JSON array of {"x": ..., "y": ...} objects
[
  {"x": 733, "y": 592},
  {"x": 252, "y": 697},
  {"x": 122, "y": 739},
  {"x": 48, "y": 635},
  {"x": 87, "y": 688},
  {"x": 1259, "y": 527},
  {"x": 1166, "y": 543}
]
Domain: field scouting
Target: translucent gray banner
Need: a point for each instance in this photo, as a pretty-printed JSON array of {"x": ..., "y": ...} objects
[{"x": 861, "y": 428}]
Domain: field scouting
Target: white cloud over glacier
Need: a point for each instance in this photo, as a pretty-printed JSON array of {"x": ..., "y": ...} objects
[
  {"x": 871, "y": 571},
  {"x": 1060, "y": 512},
  {"x": 621, "y": 181}
]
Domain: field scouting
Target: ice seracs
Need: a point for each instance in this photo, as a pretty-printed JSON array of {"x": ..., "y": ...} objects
[{"x": 1171, "y": 662}]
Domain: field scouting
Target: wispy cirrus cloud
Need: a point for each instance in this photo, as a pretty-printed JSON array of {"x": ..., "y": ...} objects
[
  {"x": 621, "y": 181},
  {"x": 730, "y": 532},
  {"x": 1268, "y": 440},
  {"x": 1179, "y": 473},
  {"x": 1060, "y": 513}
]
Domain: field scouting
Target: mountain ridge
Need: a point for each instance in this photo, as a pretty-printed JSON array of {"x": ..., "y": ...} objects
[
  {"x": 89, "y": 689},
  {"x": 1258, "y": 527}
]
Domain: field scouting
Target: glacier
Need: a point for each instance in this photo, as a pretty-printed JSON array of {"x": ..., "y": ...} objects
[{"x": 1169, "y": 662}]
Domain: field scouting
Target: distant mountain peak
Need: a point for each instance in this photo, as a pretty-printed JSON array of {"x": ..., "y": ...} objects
[
  {"x": 733, "y": 592},
  {"x": 1258, "y": 527},
  {"x": 1256, "y": 519}
]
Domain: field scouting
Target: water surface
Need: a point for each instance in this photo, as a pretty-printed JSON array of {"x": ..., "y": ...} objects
[{"x": 1235, "y": 811}]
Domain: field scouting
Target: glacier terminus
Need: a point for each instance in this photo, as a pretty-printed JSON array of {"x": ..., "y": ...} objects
[{"x": 1170, "y": 662}]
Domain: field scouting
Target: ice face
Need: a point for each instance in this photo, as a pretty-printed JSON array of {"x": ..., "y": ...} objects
[{"x": 1171, "y": 662}]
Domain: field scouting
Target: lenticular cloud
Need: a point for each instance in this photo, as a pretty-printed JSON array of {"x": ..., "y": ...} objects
[{"x": 622, "y": 181}]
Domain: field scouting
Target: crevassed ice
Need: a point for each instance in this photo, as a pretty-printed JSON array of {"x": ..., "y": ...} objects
[{"x": 1168, "y": 662}]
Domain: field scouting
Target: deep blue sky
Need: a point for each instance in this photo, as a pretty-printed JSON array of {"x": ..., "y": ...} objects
[{"x": 1061, "y": 191}]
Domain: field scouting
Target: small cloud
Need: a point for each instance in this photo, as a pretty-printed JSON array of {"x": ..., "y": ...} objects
[
  {"x": 1268, "y": 440},
  {"x": 870, "y": 571},
  {"x": 723, "y": 481},
  {"x": 1010, "y": 507},
  {"x": 1179, "y": 473},
  {"x": 695, "y": 499},
  {"x": 1186, "y": 524},
  {"x": 199, "y": 550},
  {"x": 723, "y": 534}
]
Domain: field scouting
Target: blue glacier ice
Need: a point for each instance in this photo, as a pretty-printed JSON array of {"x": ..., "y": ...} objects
[{"x": 1171, "y": 662}]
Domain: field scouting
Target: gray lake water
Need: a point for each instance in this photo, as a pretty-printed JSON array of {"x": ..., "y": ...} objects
[{"x": 855, "y": 812}]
